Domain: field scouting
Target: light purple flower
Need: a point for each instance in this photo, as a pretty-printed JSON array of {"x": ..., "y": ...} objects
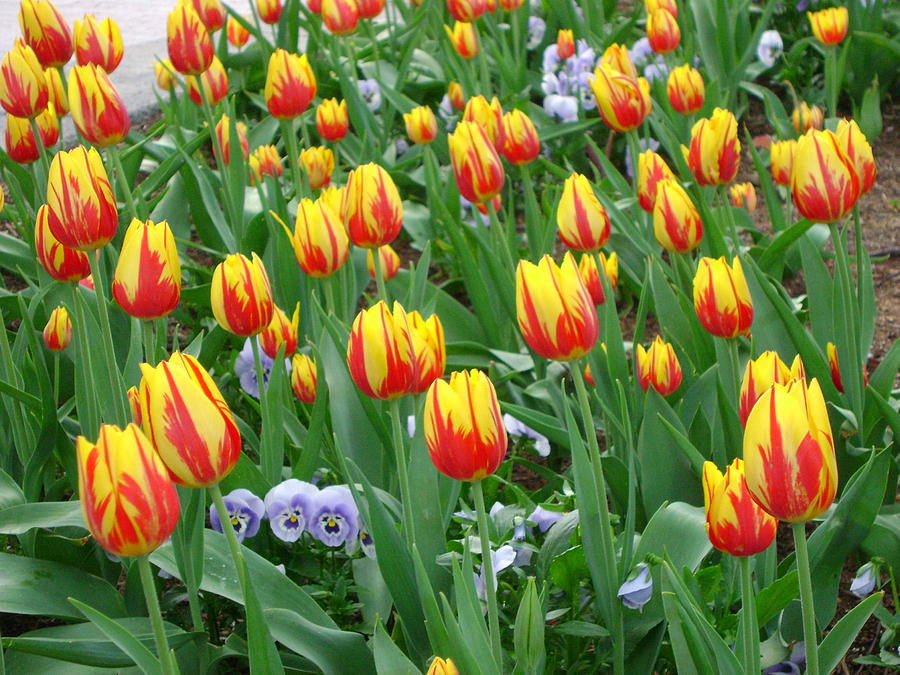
[
  {"x": 245, "y": 512},
  {"x": 641, "y": 52},
  {"x": 795, "y": 665},
  {"x": 370, "y": 91},
  {"x": 245, "y": 369},
  {"x": 366, "y": 543},
  {"x": 401, "y": 145},
  {"x": 656, "y": 71},
  {"x": 865, "y": 580},
  {"x": 289, "y": 507},
  {"x": 336, "y": 518},
  {"x": 563, "y": 108},
  {"x": 638, "y": 588},
  {"x": 502, "y": 558},
  {"x": 544, "y": 518},
  {"x": 518, "y": 428},
  {"x": 411, "y": 426},
  {"x": 551, "y": 58},
  {"x": 536, "y": 29},
  {"x": 770, "y": 47}
]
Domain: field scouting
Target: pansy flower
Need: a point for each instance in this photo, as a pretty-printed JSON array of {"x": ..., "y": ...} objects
[
  {"x": 289, "y": 506},
  {"x": 245, "y": 512}
]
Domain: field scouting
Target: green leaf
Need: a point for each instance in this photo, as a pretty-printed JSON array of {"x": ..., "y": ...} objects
[
  {"x": 10, "y": 492},
  {"x": 23, "y": 517},
  {"x": 774, "y": 598},
  {"x": 334, "y": 651},
  {"x": 839, "y": 638},
  {"x": 121, "y": 637},
  {"x": 389, "y": 659}
]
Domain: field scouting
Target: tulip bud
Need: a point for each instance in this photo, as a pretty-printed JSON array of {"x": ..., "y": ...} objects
[
  {"x": 23, "y": 87},
  {"x": 61, "y": 262},
  {"x": 332, "y": 120},
  {"x": 371, "y": 207},
  {"x": 554, "y": 309},
  {"x": 304, "y": 378},
  {"x": 676, "y": 221},
  {"x": 213, "y": 80},
  {"x": 188, "y": 421},
  {"x": 20, "y": 142},
  {"x": 82, "y": 207},
  {"x": 380, "y": 352},
  {"x": 715, "y": 151},
  {"x": 320, "y": 241},
  {"x": 57, "y": 97},
  {"x": 97, "y": 109},
  {"x": 589, "y": 378},
  {"x": 590, "y": 275},
  {"x": 46, "y": 32},
  {"x": 269, "y": 10},
  {"x": 805, "y": 117},
  {"x": 735, "y": 523},
  {"x": 521, "y": 145},
  {"x": 223, "y": 132},
  {"x": 428, "y": 346},
  {"x": 464, "y": 39},
  {"x": 789, "y": 457},
  {"x": 781, "y": 156},
  {"x": 565, "y": 44},
  {"x": 721, "y": 298},
  {"x": 463, "y": 426},
  {"x": 165, "y": 80},
  {"x": 340, "y": 16},
  {"x": 127, "y": 497},
  {"x": 829, "y": 26},
  {"x": 651, "y": 170},
  {"x": 653, "y": 5},
  {"x": 489, "y": 116},
  {"x": 280, "y": 331},
  {"x": 853, "y": 142},
  {"x": 466, "y": 11},
  {"x": 476, "y": 165},
  {"x": 211, "y": 13},
  {"x": 318, "y": 163},
  {"x": 824, "y": 181},
  {"x": 264, "y": 161},
  {"x": 421, "y": 126},
  {"x": 147, "y": 280},
  {"x": 760, "y": 374},
  {"x": 134, "y": 404},
  {"x": 441, "y": 666},
  {"x": 58, "y": 331},
  {"x": 98, "y": 43},
  {"x": 511, "y": 5},
  {"x": 369, "y": 9},
  {"x": 189, "y": 43},
  {"x": 663, "y": 31},
  {"x": 236, "y": 33},
  {"x": 622, "y": 101},
  {"x": 582, "y": 220},
  {"x": 834, "y": 366},
  {"x": 658, "y": 367},
  {"x": 743, "y": 196},
  {"x": 333, "y": 196},
  {"x": 290, "y": 85},
  {"x": 685, "y": 89},
  {"x": 390, "y": 262},
  {"x": 241, "y": 296},
  {"x": 616, "y": 57},
  {"x": 457, "y": 97}
]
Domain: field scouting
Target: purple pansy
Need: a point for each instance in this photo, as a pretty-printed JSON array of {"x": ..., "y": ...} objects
[
  {"x": 245, "y": 512},
  {"x": 638, "y": 588},
  {"x": 336, "y": 518},
  {"x": 289, "y": 506}
]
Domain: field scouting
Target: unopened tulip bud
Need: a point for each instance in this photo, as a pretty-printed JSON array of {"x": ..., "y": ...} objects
[
  {"x": 457, "y": 97},
  {"x": 58, "y": 99},
  {"x": 735, "y": 523},
  {"x": 743, "y": 196},
  {"x": 760, "y": 374},
  {"x": 318, "y": 164},
  {"x": 721, "y": 298},
  {"x": 476, "y": 165},
  {"x": 241, "y": 296},
  {"x": 658, "y": 367},
  {"x": 23, "y": 86},
  {"x": 213, "y": 81},
  {"x": 369, "y": 9},
  {"x": 651, "y": 170},
  {"x": 663, "y": 31},
  {"x": 236, "y": 33},
  {"x": 223, "y": 132},
  {"x": 46, "y": 32},
  {"x": 521, "y": 144},
  {"x": 565, "y": 44},
  {"x": 685, "y": 89},
  {"x": 371, "y": 207},
  {"x": 332, "y": 120},
  {"x": 715, "y": 152},
  {"x": 380, "y": 353},
  {"x": 464, "y": 39},
  {"x": 61, "y": 262},
  {"x": 264, "y": 161},
  {"x": 489, "y": 115},
  {"x": 829, "y": 26},
  {"x": 390, "y": 262},
  {"x": 428, "y": 345},
  {"x": 281, "y": 331},
  {"x": 583, "y": 222},
  {"x": 97, "y": 109},
  {"x": 781, "y": 156},
  {"x": 421, "y": 126},
  {"x": 441, "y": 666},
  {"x": 653, "y": 5},
  {"x": 20, "y": 141},
  {"x": 290, "y": 84},
  {"x": 623, "y": 102},
  {"x": 676, "y": 222},
  {"x": 320, "y": 241},
  {"x": 82, "y": 209},
  {"x": 98, "y": 43},
  {"x": 466, "y": 10},
  {"x": 58, "y": 331},
  {"x": 853, "y": 142},
  {"x": 340, "y": 16},
  {"x": 165, "y": 80},
  {"x": 616, "y": 57},
  {"x": 189, "y": 43},
  {"x": 806, "y": 117},
  {"x": 147, "y": 280},
  {"x": 269, "y": 10},
  {"x": 211, "y": 13},
  {"x": 590, "y": 275},
  {"x": 824, "y": 181},
  {"x": 304, "y": 378}
]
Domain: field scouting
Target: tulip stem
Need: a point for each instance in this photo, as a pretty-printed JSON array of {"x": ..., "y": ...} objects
[
  {"x": 831, "y": 84},
  {"x": 149, "y": 342},
  {"x": 379, "y": 278},
  {"x": 806, "y": 599},
  {"x": 115, "y": 377},
  {"x": 487, "y": 566},
  {"x": 532, "y": 211},
  {"x": 113, "y": 153},
  {"x": 729, "y": 215},
  {"x": 159, "y": 632},
  {"x": 293, "y": 152},
  {"x": 56, "y": 380},
  {"x": 45, "y": 160},
  {"x": 89, "y": 417},
  {"x": 270, "y": 463},
  {"x": 403, "y": 473},
  {"x": 750, "y": 632},
  {"x": 235, "y": 220}
]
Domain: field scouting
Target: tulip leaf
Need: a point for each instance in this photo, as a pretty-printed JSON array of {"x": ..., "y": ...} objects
[
  {"x": 331, "y": 649},
  {"x": 389, "y": 659},
  {"x": 840, "y": 636},
  {"x": 20, "y": 518},
  {"x": 775, "y": 597}
]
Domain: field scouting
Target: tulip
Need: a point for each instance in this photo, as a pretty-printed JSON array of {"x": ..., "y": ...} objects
[
  {"x": 23, "y": 87},
  {"x": 854, "y": 144},
  {"x": 188, "y": 421},
  {"x": 835, "y": 368},
  {"x": 511, "y": 5},
  {"x": 789, "y": 452},
  {"x": 489, "y": 116},
  {"x": 658, "y": 367},
  {"x": 304, "y": 378},
  {"x": 623, "y": 102},
  {"x": 653, "y": 5},
  {"x": 211, "y": 13},
  {"x": 521, "y": 144},
  {"x": 743, "y": 196},
  {"x": 735, "y": 523},
  {"x": 663, "y": 31},
  {"x": 446, "y": 666},
  {"x": 805, "y": 118},
  {"x": 280, "y": 331},
  {"x": 565, "y": 44},
  {"x": 165, "y": 80},
  {"x": 236, "y": 33},
  {"x": 214, "y": 83},
  {"x": 61, "y": 262},
  {"x": 685, "y": 89},
  {"x": 715, "y": 152},
  {"x": 46, "y": 32},
  {"x": 318, "y": 163},
  {"x": 264, "y": 161},
  {"x": 390, "y": 262},
  {"x": 241, "y": 296},
  {"x": 340, "y": 16},
  {"x": 651, "y": 170},
  {"x": 824, "y": 182},
  {"x": 127, "y": 497},
  {"x": 332, "y": 120},
  {"x": 554, "y": 309},
  {"x": 380, "y": 352},
  {"x": 428, "y": 346},
  {"x": 829, "y": 26},
  {"x": 616, "y": 57},
  {"x": 676, "y": 221},
  {"x": 97, "y": 109},
  {"x": 721, "y": 298},
  {"x": 81, "y": 203},
  {"x": 134, "y": 404},
  {"x": 463, "y": 426},
  {"x": 320, "y": 241},
  {"x": 781, "y": 158},
  {"x": 58, "y": 331},
  {"x": 147, "y": 280},
  {"x": 189, "y": 43},
  {"x": 333, "y": 196},
  {"x": 760, "y": 374},
  {"x": 369, "y": 9},
  {"x": 476, "y": 165},
  {"x": 269, "y": 10},
  {"x": 371, "y": 207},
  {"x": 456, "y": 94},
  {"x": 421, "y": 126},
  {"x": 466, "y": 11},
  {"x": 290, "y": 85},
  {"x": 464, "y": 39},
  {"x": 589, "y": 378},
  {"x": 582, "y": 220},
  {"x": 56, "y": 93},
  {"x": 20, "y": 142},
  {"x": 223, "y": 133},
  {"x": 98, "y": 43},
  {"x": 590, "y": 275}
]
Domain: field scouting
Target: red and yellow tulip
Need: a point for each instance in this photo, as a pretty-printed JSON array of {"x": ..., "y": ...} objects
[
  {"x": 387, "y": 256},
  {"x": 590, "y": 275},
  {"x": 721, "y": 298},
  {"x": 212, "y": 83},
  {"x": 421, "y": 126},
  {"x": 829, "y": 26},
  {"x": 616, "y": 57},
  {"x": 20, "y": 142},
  {"x": 304, "y": 378},
  {"x": 565, "y": 43},
  {"x": 269, "y": 10},
  {"x": 371, "y": 207},
  {"x": 340, "y": 16},
  {"x": 57, "y": 92},
  {"x": 281, "y": 331},
  {"x": 236, "y": 33},
  {"x": 715, "y": 152},
  {"x": 380, "y": 352},
  {"x": 61, "y": 262},
  {"x": 658, "y": 367},
  {"x": 241, "y": 296},
  {"x": 583, "y": 222},
  {"x": 663, "y": 31},
  {"x": 676, "y": 222},
  {"x": 488, "y": 114},
  {"x": 189, "y": 43},
  {"x": 464, "y": 39},
  {"x": 781, "y": 159},
  {"x": 824, "y": 182},
  {"x": 332, "y": 120},
  {"x": 835, "y": 368},
  {"x": 735, "y": 523},
  {"x": 369, "y": 9},
  {"x": 318, "y": 164},
  {"x": 685, "y": 89},
  {"x": 46, "y": 32},
  {"x": 653, "y": 5},
  {"x": 264, "y": 161},
  {"x": 521, "y": 144},
  {"x": 58, "y": 331},
  {"x": 290, "y": 84},
  {"x": 320, "y": 241},
  {"x": 97, "y": 109},
  {"x": 622, "y": 101},
  {"x": 23, "y": 86},
  {"x": 428, "y": 346},
  {"x": 211, "y": 13},
  {"x": 854, "y": 144},
  {"x": 456, "y": 94},
  {"x": 147, "y": 280},
  {"x": 223, "y": 132},
  {"x": 651, "y": 170},
  {"x": 760, "y": 374},
  {"x": 98, "y": 43},
  {"x": 165, "y": 80},
  {"x": 466, "y": 10},
  {"x": 806, "y": 117}
]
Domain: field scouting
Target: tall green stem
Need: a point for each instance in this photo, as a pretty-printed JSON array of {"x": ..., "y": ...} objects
[
  {"x": 45, "y": 160},
  {"x": 270, "y": 461},
  {"x": 233, "y": 544},
  {"x": 159, "y": 632},
  {"x": 115, "y": 377},
  {"x": 89, "y": 419},
  {"x": 234, "y": 219},
  {"x": 806, "y": 599},
  {"x": 113, "y": 153},
  {"x": 293, "y": 159},
  {"x": 379, "y": 278},
  {"x": 831, "y": 84},
  {"x": 748, "y": 624},
  {"x": 487, "y": 568},
  {"x": 402, "y": 473}
]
